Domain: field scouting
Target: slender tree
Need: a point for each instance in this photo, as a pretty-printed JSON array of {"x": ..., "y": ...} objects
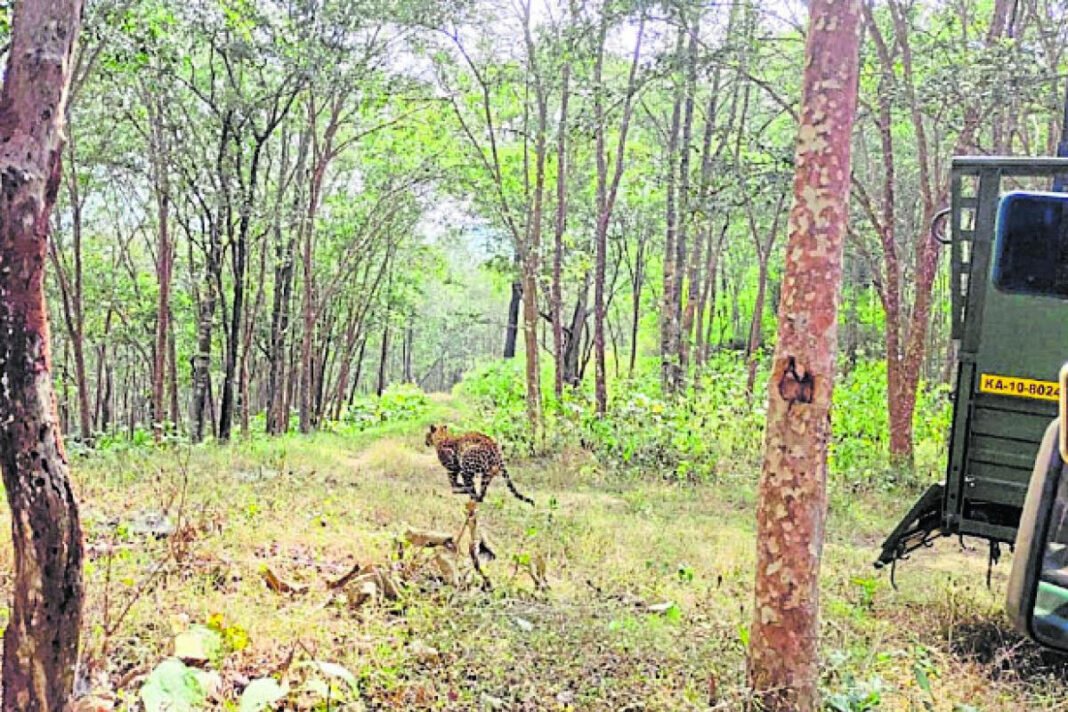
[
  {"x": 607, "y": 189},
  {"x": 41, "y": 639},
  {"x": 783, "y": 660}
]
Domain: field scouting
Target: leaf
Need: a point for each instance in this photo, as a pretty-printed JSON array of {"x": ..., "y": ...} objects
[
  {"x": 425, "y": 538},
  {"x": 261, "y": 694},
  {"x": 199, "y": 644},
  {"x": 172, "y": 687},
  {"x": 743, "y": 635},
  {"x": 278, "y": 585},
  {"x": 921, "y": 678},
  {"x": 335, "y": 670}
]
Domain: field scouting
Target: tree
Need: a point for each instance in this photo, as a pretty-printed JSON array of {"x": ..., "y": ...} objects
[
  {"x": 41, "y": 640},
  {"x": 901, "y": 89},
  {"x": 607, "y": 189},
  {"x": 783, "y": 661}
]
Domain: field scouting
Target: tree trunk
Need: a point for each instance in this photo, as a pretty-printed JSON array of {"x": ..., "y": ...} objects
[
  {"x": 573, "y": 335},
  {"x": 248, "y": 355},
  {"x": 239, "y": 256},
  {"x": 783, "y": 651},
  {"x": 359, "y": 369},
  {"x": 636, "y": 283},
  {"x": 164, "y": 264},
  {"x": 203, "y": 411},
  {"x": 556, "y": 291},
  {"x": 684, "y": 215},
  {"x": 530, "y": 339},
  {"x": 708, "y": 296},
  {"x": 41, "y": 638},
  {"x": 323, "y": 153},
  {"x": 694, "y": 275},
  {"x": 756, "y": 325},
  {"x": 285, "y": 255},
  {"x": 512, "y": 331},
  {"x": 906, "y": 329},
  {"x": 606, "y": 198},
  {"x": 73, "y": 304},
  {"x": 172, "y": 377},
  {"x": 383, "y": 357},
  {"x": 669, "y": 325}
]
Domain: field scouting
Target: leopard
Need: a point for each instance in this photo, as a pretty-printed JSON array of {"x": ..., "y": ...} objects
[{"x": 466, "y": 456}]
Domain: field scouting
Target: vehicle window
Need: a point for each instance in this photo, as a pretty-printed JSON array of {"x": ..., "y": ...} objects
[{"x": 1032, "y": 245}]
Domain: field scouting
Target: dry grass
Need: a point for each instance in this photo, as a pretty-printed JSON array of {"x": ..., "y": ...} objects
[{"x": 311, "y": 508}]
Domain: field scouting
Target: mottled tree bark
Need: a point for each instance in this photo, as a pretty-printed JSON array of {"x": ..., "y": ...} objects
[
  {"x": 791, "y": 513},
  {"x": 41, "y": 639}
]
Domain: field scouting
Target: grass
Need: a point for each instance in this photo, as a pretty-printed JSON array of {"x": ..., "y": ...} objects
[{"x": 648, "y": 607}]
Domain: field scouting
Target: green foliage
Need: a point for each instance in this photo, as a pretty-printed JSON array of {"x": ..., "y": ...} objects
[
  {"x": 856, "y": 696},
  {"x": 120, "y": 440},
  {"x": 398, "y": 402},
  {"x": 262, "y": 694},
  {"x": 499, "y": 389},
  {"x": 715, "y": 430},
  {"x": 712, "y": 428},
  {"x": 859, "y": 454},
  {"x": 173, "y": 687}
]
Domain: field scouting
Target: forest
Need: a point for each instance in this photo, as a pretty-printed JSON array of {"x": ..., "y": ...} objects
[{"x": 278, "y": 242}]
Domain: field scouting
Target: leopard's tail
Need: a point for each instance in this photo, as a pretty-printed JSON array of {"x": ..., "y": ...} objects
[{"x": 511, "y": 486}]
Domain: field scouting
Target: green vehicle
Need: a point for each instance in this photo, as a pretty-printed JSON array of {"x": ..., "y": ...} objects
[
  {"x": 1006, "y": 480},
  {"x": 1008, "y": 241}
]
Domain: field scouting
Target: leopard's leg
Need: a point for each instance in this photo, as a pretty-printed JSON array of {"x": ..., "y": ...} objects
[
  {"x": 487, "y": 477},
  {"x": 455, "y": 483},
  {"x": 468, "y": 475}
]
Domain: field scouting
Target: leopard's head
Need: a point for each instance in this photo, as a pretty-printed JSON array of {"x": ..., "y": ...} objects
[{"x": 435, "y": 434}]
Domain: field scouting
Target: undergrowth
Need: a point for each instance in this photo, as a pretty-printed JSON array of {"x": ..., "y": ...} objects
[{"x": 714, "y": 431}]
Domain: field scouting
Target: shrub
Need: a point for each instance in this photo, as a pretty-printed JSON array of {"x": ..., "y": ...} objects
[
  {"x": 715, "y": 429},
  {"x": 860, "y": 453},
  {"x": 398, "y": 402}
]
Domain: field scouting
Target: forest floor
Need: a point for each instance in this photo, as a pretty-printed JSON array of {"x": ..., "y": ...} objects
[{"x": 647, "y": 606}]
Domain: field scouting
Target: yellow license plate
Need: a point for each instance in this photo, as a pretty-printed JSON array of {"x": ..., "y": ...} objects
[{"x": 1018, "y": 387}]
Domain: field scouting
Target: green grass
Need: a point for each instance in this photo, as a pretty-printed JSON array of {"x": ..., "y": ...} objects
[{"x": 309, "y": 508}]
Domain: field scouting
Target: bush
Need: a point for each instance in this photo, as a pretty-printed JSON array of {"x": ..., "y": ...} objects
[
  {"x": 398, "y": 402},
  {"x": 714, "y": 430},
  {"x": 643, "y": 431},
  {"x": 860, "y": 453}
]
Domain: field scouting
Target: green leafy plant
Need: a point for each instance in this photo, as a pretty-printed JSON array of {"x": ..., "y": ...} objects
[{"x": 174, "y": 687}]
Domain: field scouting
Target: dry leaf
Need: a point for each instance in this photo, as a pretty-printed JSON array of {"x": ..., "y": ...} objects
[
  {"x": 425, "y": 538},
  {"x": 423, "y": 652},
  {"x": 94, "y": 703},
  {"x": 447, "y": 568},
  {"x": 278, "y": 585},
  {"x": 341, "y": 582}
]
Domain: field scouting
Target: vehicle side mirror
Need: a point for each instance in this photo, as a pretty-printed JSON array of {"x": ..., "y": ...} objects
[{"x": 1037, "y": 597}]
